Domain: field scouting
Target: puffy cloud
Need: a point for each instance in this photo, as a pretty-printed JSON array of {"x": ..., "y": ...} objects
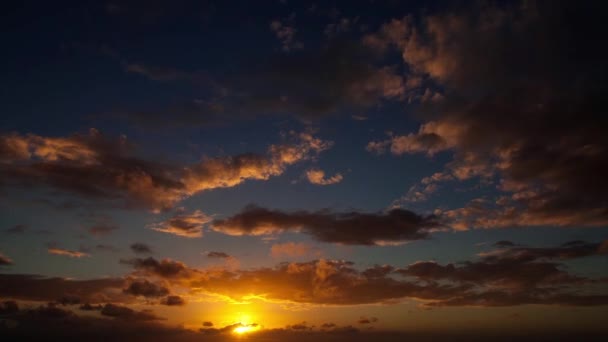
[
  {"x": 164, "y": 268},
  {"x": 523, "y": 106},
  {"x": 317, "y": 176},
  {"x": 514, "y": 275},
  {"x": 140, "y": 248},
  {"x": 505, "y": 277},
  {"x": 143, "y": 287},
  {"x": 67, "y": 252},
  {"x": 97, "y": 167},
  {"x": 183, "y": 224},
  {"x": 351, "y": 228}
]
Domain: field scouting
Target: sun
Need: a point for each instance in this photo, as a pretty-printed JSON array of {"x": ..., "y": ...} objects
[{"x": 243, "y": 329}]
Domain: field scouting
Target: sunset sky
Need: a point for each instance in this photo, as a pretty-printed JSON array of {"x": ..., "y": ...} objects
[{"x": 303, "y": 170}]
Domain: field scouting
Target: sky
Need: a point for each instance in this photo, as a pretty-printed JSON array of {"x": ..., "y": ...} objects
[{"x": 300, "y": 170}]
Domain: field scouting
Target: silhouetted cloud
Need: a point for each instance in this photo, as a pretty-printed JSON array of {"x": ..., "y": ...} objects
[
  {"x": 505, "y": 277},
  {"x": 350, "y": 228},
  {"x": 163, "y": 268},
  {"x": 173, "y": 301},
  {"x": 39, "y": 288},
  {"x": 140, "y": 248},
  {"x": 522, "y": 107},
  {"x": 142, "y": 287},
  {"x": 220, "y": 255}
]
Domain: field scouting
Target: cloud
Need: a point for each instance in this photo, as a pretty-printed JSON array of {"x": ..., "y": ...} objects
[
  {"x": 350, "y": 228},
  {"x": 102, "y": 229},
  {"x": 365, "y": 320},
  {"x": 290, "y": 249},
  {"x": 140, "y": 248},
  {"x": 183, "y": 224},
  {"x": 501, "y": 277},
  {"x": 143, "y": 287},
  {"x": 220, "y": 255},
  {"x": 67, "y": 252},
  {"x": 514, "y": 275},
  {"x": 4, "y": 260},
  {"x": 96, "y": 167},
  {"x": 164, "y": 268},
  {"x": 317, "y": 176},
  {"x": 173, "y": 301},
  {"x": 39, "y": 288},
  {"x": 522, "y": 108},
  {"x": 229, "y": 260}
]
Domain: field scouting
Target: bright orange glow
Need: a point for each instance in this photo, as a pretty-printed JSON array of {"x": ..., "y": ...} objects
[{"x": 243, "y": 329}]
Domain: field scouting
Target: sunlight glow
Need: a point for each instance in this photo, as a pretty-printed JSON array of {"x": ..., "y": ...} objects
[{"x": 243, "y": 329}]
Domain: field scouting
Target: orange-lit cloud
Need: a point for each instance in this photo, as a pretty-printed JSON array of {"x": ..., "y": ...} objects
[
  {"x": 184, "y": 224},
  {"x": 67, "y": 252},
  {"x": 317, "y": 176},
  {"x": 521, "y": 137},
  {"x": 504, "y": 277},
  {"x": 98, "y": 167},
  {"x": 291, "y": 249}
]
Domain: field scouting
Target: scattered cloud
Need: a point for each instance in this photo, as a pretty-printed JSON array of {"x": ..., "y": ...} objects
[
  {"x": 67, "y": 252},
  {"x": 349, "y": 228},
  {"x": 184, "y": 224},
  {"x": 140, "y": 248},
  {"x": 220, "y": 255},
  {"x": 521, "y": 119},
  {"x": 317, "y": 176},
  {"x": 142, "y": 287},
  {"x": 38, "y": 288},
  {"x": 173, "y": 301},
  {"x": 104, "y": 169}
]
